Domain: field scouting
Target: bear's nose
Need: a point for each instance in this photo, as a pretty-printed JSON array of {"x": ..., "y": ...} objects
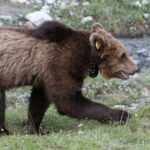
[{"x": 138, "y": 69}]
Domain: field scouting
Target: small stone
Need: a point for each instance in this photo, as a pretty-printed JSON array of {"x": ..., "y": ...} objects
[
  {"x": 146, "y": 16},
  {"x": 119, "y": 106},
  {"x": 1, "y": 24},
  {"x": 146, "y": 92},
  {"x": 29, "y": 25},
  {"x": 145, "y": 2},
  {"x": 20, "y": 23},
  {"x": 22, "y": 1},
  {"x": 39, "y": 2},
  {"x": 85, "y": 4},
  {"x": 133, "y": 29},
  {"x": 143, "y": 50},
  {"x": 50, "y": 1},
  {"x": 63, "y": 5},
  {"x": 45, "y": 9},
  {"x": 133, "y": 106},
  {"x": 74, "y": 4},
  {"x": 19, "y": 1},
  {"x": 80, "y": 132},
  {"x": 80, "y": 125},
  {"x": 7, "y": 18},
  {"x": 86, "y": 19},
  {"x": 27, "y": 3},
  {"x": 13, "y": 1},
  {"x": 136, "y": 4}
]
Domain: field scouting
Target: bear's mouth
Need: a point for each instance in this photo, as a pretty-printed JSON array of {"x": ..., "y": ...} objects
[{"x": 123, "y": 75}]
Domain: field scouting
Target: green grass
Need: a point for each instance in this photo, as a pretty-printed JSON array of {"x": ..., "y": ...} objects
[
  {"x": 115, "y": 15},
  {"x": 116, "y": 91},
  {"x": 64, "y": 133}
]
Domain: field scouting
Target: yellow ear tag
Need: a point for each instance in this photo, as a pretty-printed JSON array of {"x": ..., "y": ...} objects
[{"x": 97, "y": 45}]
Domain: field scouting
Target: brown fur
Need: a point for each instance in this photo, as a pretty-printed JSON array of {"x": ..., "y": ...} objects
[{"x": 55, "y": 59}]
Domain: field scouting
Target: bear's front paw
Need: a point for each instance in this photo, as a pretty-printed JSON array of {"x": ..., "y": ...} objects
[{"x": 121, "y": 116}]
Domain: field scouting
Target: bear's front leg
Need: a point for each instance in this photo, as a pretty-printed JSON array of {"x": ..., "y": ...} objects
[
  {"x": 37, "y": 108},
  {"x": 77, "y": 106}
]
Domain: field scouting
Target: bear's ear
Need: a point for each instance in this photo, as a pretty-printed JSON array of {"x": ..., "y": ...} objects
[
  {"x": 97, "y": 41},
  {"x": 96, "y": 27}
]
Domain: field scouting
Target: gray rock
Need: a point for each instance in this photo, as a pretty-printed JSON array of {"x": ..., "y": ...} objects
[
  {"x": 74, "y": 4},
  {"x": 85, "y": 4},
  {"x": 133, "y": 29},
  {"x": 137, "y": 61},
  {"x": 1, "y": 24},
  {"x": 38, "y": 17},
  {"x": 144, "y": 101},
  {"x": 45, "y": 9},
  {"x": 62, "y": 6},
  {"x": 14, "y": 1},
  {"x": 29, "y": 25},
  {"x": 50, "y": 1},
  {"x": 133, "y": 106},
  {"x": 86, "y": 19},
  {"x": 136, "y": 4},
  {"x": 20, "y": 1},
  {"x": 38, "y": 2},
  {"x": 7, "y": 18},
  {"x": 145, "y": 2},
  {"x": 119, "y": 106},
  {"x": 146, "y": 16},
  {"x": 143, "y": 52}
]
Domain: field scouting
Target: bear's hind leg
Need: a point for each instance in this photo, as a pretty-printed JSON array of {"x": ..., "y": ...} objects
[
  {"x": 3, "y": 130},
  {"x": 37, "y": 108}
]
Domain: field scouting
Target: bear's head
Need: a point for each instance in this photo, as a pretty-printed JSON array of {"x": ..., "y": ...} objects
[{"x": 110, "y": 55}]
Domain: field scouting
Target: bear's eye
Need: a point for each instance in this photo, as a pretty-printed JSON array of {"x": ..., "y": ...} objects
[
  {"x": 123, "y": 58},
  {"x": 123, "y": 55}
]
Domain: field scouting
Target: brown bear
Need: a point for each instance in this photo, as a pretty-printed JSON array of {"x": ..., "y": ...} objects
[{"x": 55, "y": 59}]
